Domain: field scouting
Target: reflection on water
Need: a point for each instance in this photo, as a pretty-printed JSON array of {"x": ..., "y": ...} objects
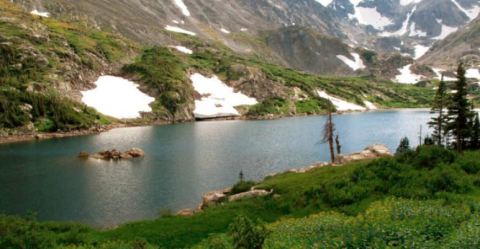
[{"x": 182, "y": 162}]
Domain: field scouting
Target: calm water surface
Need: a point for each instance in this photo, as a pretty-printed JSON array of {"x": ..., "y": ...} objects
[{"x": 182, "y": 162}]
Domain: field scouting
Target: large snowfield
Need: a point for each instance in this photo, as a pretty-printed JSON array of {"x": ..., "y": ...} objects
[
  {"x": 218, "y": 99},
  {"x": 118, "y": 98}
]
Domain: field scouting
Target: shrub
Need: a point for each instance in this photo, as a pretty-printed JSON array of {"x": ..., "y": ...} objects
[
  {"x": 246, "y": 234},
  {"x": 269, "y": 106},
  {"x": 469, "y": 163},
  {"x": 430, "y": 156},
  {"x": 449, "y": 178}
]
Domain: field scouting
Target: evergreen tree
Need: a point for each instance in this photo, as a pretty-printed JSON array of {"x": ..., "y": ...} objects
[
  {"x": 428, "y": 141},
  {"x": 328, "y": 133},
  {"x": 438, "y": 122},
  {"x": 476, "y": 133},
  {"x": 459, "y": 112},
  {"x": 404, "y": 146}
]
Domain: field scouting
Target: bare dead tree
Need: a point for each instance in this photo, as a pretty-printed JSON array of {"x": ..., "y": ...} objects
[
  {"x": 328, "y": 134},
  {"x": 339, "y": 146}
]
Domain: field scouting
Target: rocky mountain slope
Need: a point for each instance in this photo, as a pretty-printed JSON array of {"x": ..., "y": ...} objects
[
  {"x": 51, "y": 64},
  {"x": 306, "y": 35},
  {"x": 462, "y": 45},
  {"x": 412, "y": 22}
]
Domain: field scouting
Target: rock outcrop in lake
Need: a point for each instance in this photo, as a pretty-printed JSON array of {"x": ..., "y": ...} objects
[{"x": 114, "y": 154}]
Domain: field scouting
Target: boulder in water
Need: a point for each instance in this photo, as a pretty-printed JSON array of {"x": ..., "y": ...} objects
[{"x": 115, "y": 154}]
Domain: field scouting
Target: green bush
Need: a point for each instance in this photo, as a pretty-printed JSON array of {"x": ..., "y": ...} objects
[
  {"x": 430, "y": 156},
  {"x": 246, "y": 234},
  {"x": 270, "y": 106}
]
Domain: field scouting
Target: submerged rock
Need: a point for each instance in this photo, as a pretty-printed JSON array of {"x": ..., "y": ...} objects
[{"x": 84, "y": 155}]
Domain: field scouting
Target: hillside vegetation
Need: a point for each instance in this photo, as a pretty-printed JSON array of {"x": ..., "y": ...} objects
[
  {"x": 45, "y": 63},
  {"x": 424, "y": 199}
]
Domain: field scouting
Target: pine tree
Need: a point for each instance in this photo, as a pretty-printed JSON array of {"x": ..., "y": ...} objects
[
  {"x": 328, "y": 133},
  {"x": 476, "y": 133},
  {"x": 438, "y": 122},
  {"x": 404, "y": 146},
  {"x": 459, "y": 112}
]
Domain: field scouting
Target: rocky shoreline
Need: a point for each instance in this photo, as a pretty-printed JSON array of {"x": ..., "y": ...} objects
[{"x": 225, "y": 195}]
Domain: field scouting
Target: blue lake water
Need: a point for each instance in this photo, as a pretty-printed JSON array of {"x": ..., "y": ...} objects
[{"x": 182, "y": 162}]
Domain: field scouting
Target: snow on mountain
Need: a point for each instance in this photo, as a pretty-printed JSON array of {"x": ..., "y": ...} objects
[
  {"x": 446, "y": 31},
  {"x": 406, "y": 76},
  {"x": 370, "y": 16},
  {"x": 472, "y": 13},
  {"x": 179, "y": 30},
  {"x": 325, "y": 2},
  {"x": 420, "y": 50},
  {"x": 354, "y": 64},
  {"x": 183, "y": 49},
  {"x": 406, "y": 26},
  {"x": 181, "y": 5},
  {"x": 110, "y": 94},
  {"x": 408, "y": 2},
  {"x": 35, "y": 12},
  {"x": 217, "y": 99},
  {"x": 340, "y": 104}
]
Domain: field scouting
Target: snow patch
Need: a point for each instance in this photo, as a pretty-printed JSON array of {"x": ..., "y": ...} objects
[
  {"x": 35, "y": 12},
  {"x": 181, "y": 5},
  {"x": 370, "y": 16},
  {"x": 473, "y": 74},
  {"x": 420, "y": 50},
  {"x": 218, "y": 99},
  {"x": 370, "y": 105},
  {"x": 179, "y": 30},
  {"x": 405, "y": 25},
  {"x": 225, "y": 31},
  {"x": 406, "y": 76},
  {"x": 408, "y": 2},
  {"x": 414, "y": 32},
  {"x": 439, "y": 72},
  {"x": 117, "y": 97},
  {"x": 354, "y": 64},
  {"x": 471, "y": 13},
  {"x": 183, "y": 49},
  {"x": 340, "y": 104},
  {"x": 446, "y": 31},
  {"x": 325, "y": 3}
]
